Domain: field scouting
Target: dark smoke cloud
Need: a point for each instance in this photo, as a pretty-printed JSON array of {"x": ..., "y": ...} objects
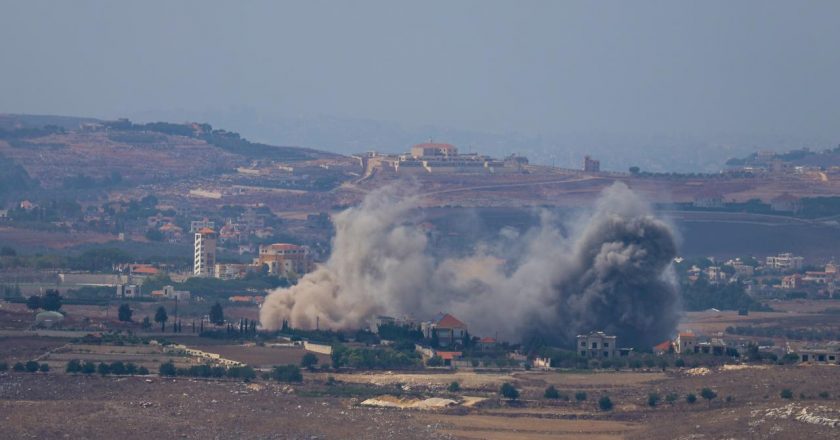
[{"x": 611, "y": 272}]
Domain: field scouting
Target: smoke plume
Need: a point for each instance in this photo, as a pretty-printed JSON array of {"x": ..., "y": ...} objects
[{"x": 609, "y": 272}]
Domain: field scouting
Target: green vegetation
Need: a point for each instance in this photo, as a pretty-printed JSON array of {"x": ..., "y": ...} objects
[
  {"x": 508, "y": 391},
  {"x": 454, "y": 387},
  {"x": 551, "y": 393},
  {"x": 786, "y": 394},
  {"x": 373, "y": 358},
  {"x": 708, "y": 394},
  {"x": 124, "y": 313},
  {"x": 287, "y": 373},
  {"x": 309, "y": 361},
  {"x": 580, "y": 396},
  {"x": 702, "y": 296},
  {"x": 605, "y": 404},
  {"x": 690, "y": 398},
  {"x": 217, "y": 315},
  {"x": 653, "y": 399}
]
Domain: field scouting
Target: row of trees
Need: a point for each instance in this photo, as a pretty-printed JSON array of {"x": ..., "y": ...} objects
[{"x": 118, "y": 368}]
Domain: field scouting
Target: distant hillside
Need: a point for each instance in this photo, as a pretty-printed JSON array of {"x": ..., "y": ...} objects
[{"x": 85, "y": 153}]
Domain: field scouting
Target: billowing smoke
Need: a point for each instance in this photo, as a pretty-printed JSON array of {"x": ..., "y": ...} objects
[{"x": 609, "y": 272}]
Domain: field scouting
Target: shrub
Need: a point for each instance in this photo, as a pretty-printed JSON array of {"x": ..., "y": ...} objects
[
  {"x": 103, "y": 369},
  {"x": 671, "y": 397},
  {"x": 142, "y": 371},
  {"x": 435, "y": 361},
  {"x": 288, "y": 373},
  {"x": 130, "y": 368},
  {"x": 309, "y": 360},
  {"x": 605, "y": 403},
  {"x": 679, "y": 363},
  {"x": 508, "y": 391},
  {"x": 18, "y": 367},
  {"x": 454, "y": 387},
  {"x": 31, "y": 366},
  {"x": 330, "y": 381},
  {"x": 690, "y": 398},
  {"x": 551, "y": 393},
  {"x": 653, "y": 399},
  {"x": 824, "y": 395},
  {"x": 580, "y": 396},
  {"x": 167, "y": 369},
  {"x": 88, "y": 368},
  {"x": 44, "y": 368},
  {"x": 4, "y": 366},
  {"x": 73, "y": 366},
  {"x": 118, "y": 368},
  {"x": 708, "y": 394}
]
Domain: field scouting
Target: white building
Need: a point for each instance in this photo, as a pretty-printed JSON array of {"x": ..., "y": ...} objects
[
  {"x": 596, "y": 345},
  {"x": 197, "y": 225},
  {"x": 783, "y": 262},
  {"x": 205, "y": 253}
]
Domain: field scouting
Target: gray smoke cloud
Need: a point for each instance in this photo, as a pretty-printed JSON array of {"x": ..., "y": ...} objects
[{"x": 610, "y": 272}]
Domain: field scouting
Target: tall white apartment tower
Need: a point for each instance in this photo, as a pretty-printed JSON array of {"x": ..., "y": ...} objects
[{"x": 205, "y": 252}]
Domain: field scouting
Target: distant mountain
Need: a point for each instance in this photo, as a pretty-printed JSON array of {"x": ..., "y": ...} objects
[{"x": 617, "y": 151}]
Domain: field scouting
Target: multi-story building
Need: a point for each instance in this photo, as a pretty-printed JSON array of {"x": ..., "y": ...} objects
[
  {"x": 284, "y": 259},
  {"x": 197, "y": 225},
  {"x": 686, "y": 342},
  {"x": 785, "y": 261},
  {"x": 591, "y": 165},
  {"x": 596, "y": 345},
  {"x": 205, "y": 252}
]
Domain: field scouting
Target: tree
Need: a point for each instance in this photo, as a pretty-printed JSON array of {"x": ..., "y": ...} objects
[
  {"x": 19, "y": 367},
  {"x": 142, "y": 371},
  {"x": 51, "y": 301},
  {"x": 605, "y": 403},
  {"x": 786, "y": 394},
  {"x": 309, "y": 361},
  {"x": 435, "y": 361},
  {"x": 73, "y": 366},
  {"x": 454, "y": 387},
  {"x": 288, "y": 373},
  {"x": 634, "y": 170},
  {"x": 580, "y": 396},
  {"x": 217, "y": 315},
  {"x": 679, "y": 363},
  {"x": 31, "y": 366},
  {"x": 103, "y": 369},
  {"x": 147, "y": 323},
  {"x": 653, "y": 399},
  {"x": 4, "y": 366},
  {"x": 671, "y": 398},
  {"x": 33, "y": 302},
  {"x": 44, "y": 368},
  {"x": 551, "y": 393},
  {"x": 161, "y": 317},
  {"x": 88, "y": 368},
  {"x": 708, "y": 394},
  {"x": 125, "y": 313},
  {"x": 508, "y": 391},
  {"x": 167, "y": 369},
  {"x": 118, "y": 368}
]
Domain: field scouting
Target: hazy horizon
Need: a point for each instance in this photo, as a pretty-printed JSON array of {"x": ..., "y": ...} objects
[{"x": 555, "y": 75}]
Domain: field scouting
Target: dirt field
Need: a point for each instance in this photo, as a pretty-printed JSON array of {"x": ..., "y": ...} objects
[
  {"x": 260, "y": 356},
  {"x": 59, "y": 405}
]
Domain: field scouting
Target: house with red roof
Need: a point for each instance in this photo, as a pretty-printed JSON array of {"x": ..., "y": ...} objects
[{"x": 447, "y": 329}]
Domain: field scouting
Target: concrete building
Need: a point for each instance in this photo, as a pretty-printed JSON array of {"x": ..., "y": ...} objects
[
  {"x": 197, "y": 225},
  {"x": 433, "y": 149},
  {"x": 686, "y": 342},
  {"x": 232, "y": 271},
  {"x": 205, "y": 253},
  {"x": 285, "y": 259},
  {"x": 596, "y": 345},
  {"x": 784, "y": 262},
  {"x": 591, "y": 165},
  {"x": 128, "y": 291}
]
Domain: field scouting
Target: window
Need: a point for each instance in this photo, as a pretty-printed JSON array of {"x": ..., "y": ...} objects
[
  {"x": 594, "y": 345},
  {"x": 583, "y": 353},
  {"x": 606, "y": 354},
  {"x": 583, "y": 343},
  {"x": 606, "y": 344}
]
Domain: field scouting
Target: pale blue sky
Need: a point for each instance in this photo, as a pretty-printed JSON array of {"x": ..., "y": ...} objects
[{"x": 534, "y": 67}]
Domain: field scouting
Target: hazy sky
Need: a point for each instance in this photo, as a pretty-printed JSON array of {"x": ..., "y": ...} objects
[{"x": 757, "y": 67}]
